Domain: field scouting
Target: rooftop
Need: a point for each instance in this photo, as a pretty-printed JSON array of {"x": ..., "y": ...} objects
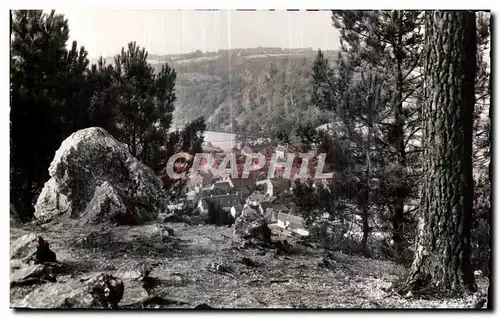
[
  {"x": 265, "y": 205},
  {"x": 261, "y": 197},
  {"x": 226, "y": 200},
  {"x": 243, "y": 182},
  {"x": 294, "y": 222},
  {"x": 279, "y": 207},
  {"x": 222, "y": 185},
  {"x": 280, "y": 184}
]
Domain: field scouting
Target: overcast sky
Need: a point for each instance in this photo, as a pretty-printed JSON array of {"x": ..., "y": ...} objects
[{"x": 105, "y": 32}]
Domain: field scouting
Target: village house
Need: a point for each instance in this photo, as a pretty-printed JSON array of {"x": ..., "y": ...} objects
[
  {"x": 271, "y": 216},
  {"x": 297, "y": 225},
  {"x": 221, "y": 186},
  {"x": 279, "y": 172},
  {"x": 293, "y": 223},
  {"x": 208, "y": 147},
  {"x": 247, "y": 151},
  {"x": 272, "y": 210},
  {"x": 265, "y": 184},
  {"x": 243, "y": 182},
  {"x": 190, "y": 195},
  {"x": 203, "y": 193},
  {"x": 256, "y": 198},
  {"x": 201, "y": 180},
  {"x": 280, "y": 152},
  {"x": 278, "y": 207},
  {"x": 321, "y": 184},
  {"x": 276, "y": 186},
  {"x": 222, "y": 201},
  {"x": 244, "y": 185},
  {"x": 264, "y": 206},
  {"x": 226, "y": 177}
]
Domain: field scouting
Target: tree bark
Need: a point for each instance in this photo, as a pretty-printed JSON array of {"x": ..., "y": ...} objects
[
  {"x": 442, "y": 252},
  {"x": 490, "y": 177}
]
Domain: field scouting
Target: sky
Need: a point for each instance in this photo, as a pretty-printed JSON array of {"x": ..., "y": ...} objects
[{"x": 105, "y": 32}]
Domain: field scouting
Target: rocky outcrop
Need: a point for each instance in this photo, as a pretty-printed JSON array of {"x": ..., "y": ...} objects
[
  {"x": 32, "y": 274},
  {"x": 95, "y": 179},
  {"x": 252, "y": 226},
  {"x": 32, "y": 261},
  {"x": 102, "y": 291},
  {"x": 32, "y": 248},
  {"x": 24, "y": 247},
  {"x": 109, "y": 203}
]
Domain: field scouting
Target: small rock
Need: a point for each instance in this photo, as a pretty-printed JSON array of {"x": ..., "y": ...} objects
[
  {"x": 160, "y": 301},
  {"x": 249, "y": 262},
  {"x": 284, "y": 247},
  {"x": 203, "y": 306},
  {"x": 236, "y": 295},
  {"x": 32, "y": 274},
  {"x": 167, "y": 231},
  {"x": 133, "y": 294},
  {"x": 107, "y": 291},
  {"x": 221, "y": 268},
  {"x": 408, "y": 295},
  {"x": 173, "y": 218}
]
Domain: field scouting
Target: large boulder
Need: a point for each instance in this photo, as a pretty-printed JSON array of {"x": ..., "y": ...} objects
[
  {"x": 94, "y": 178},
  {"x": 252, "y": 226}
]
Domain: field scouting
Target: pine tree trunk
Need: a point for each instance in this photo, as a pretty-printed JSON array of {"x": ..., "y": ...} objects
[
  {"x": 366, "y": 227},
  {"x": 442, "y": 251},
  {"x": 398, "y": 206},
  {"x": 490, "y": 177}
]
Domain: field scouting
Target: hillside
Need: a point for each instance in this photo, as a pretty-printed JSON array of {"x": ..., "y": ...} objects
[{"x": 259, "y": 88}]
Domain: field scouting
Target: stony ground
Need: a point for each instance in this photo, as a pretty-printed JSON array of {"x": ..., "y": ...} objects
[{"x": 186, "y": 269}]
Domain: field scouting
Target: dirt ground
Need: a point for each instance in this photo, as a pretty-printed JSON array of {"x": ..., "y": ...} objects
[{"x": 185, "y": 268}]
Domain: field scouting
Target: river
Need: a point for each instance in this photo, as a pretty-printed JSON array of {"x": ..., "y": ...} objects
[{"x": 223, "y": 140}]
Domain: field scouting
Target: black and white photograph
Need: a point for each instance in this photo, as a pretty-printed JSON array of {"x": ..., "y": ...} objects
[{"x": 278, "y": 159}]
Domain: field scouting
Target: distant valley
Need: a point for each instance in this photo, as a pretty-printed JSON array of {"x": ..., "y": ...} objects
[{"x": 258, "y": 89}]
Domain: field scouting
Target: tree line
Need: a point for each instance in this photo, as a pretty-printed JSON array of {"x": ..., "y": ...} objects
[
  {"x": 411, "y": 141},
  {"x": 55, "y": 92}
]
